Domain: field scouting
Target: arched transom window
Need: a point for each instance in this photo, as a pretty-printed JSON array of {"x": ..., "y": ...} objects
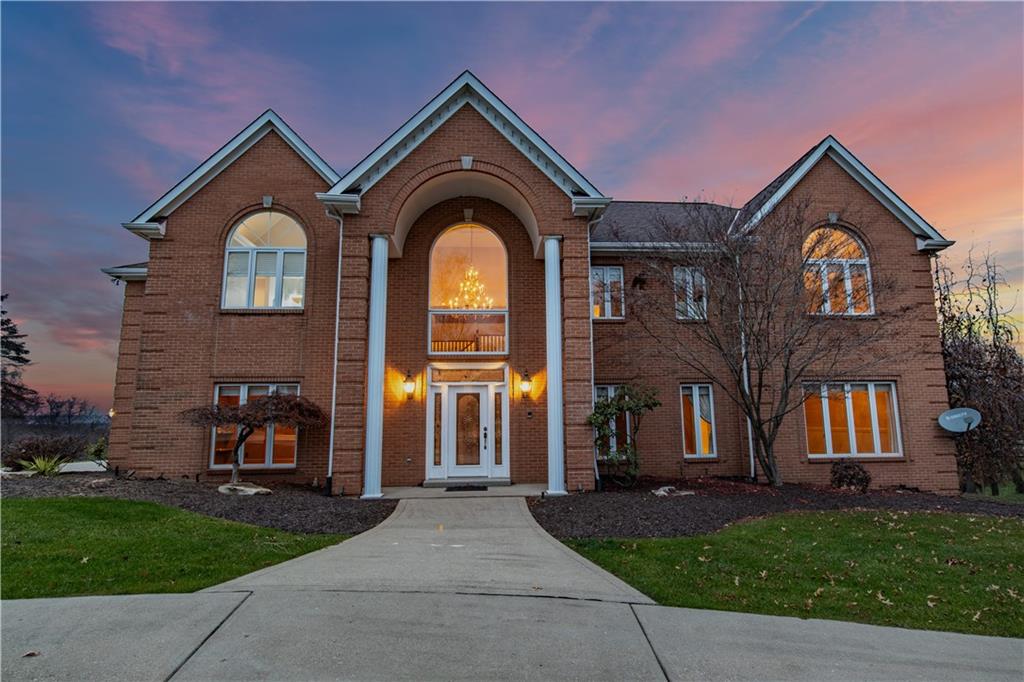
[
  {"x": 265, "y": 263},
  {"x": 468, "y": 292},
  {"x": 837, "y": 275}
]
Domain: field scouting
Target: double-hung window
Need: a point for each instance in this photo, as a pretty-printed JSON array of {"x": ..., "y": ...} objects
[
  {"x": 691, "y": 295},
  {"x": 607, "y": 299},
  {"x": 698, "y": 411},
  {"x": 272, "y": 447},
  {"x": 620, "y": 430},
  {"x": 854, "y": 419}
]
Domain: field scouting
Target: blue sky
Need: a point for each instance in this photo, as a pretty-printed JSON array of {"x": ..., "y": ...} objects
[{"x": 105, "y": 106}]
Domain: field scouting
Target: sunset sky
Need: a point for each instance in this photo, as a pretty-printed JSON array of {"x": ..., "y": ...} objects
[{"x": 106, "y": 106}]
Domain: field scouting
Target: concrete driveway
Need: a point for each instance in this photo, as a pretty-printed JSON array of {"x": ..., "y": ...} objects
[{"x": 459, "y": 589}]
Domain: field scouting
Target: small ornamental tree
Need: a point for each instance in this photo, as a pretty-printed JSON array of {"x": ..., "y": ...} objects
[
  {"x": 278, "y": 408},
  {"x": 630, "y": 403}
]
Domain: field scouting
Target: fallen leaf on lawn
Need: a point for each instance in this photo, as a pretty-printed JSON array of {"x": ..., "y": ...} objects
[
  {"x": 881, "y": 598},
  {"x": 84, "y": 560},
  {"x": 764, "y": 574},
  {"x": 703, "y": 558},
  {"x": 817, "y": 592},
  {"x": 930, "y": 603},
  {"x": 736, "y": 581},
  {"x": 977, "y": 617}
]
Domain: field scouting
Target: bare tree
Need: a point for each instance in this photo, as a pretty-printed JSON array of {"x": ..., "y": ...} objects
[
  {"x": 984, "y": 370},
  {"x": 753, "y": 310},
  {"x": 277, "y": 408}
]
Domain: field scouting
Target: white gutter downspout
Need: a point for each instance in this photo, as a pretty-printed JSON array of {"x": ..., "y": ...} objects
[
  {"x": 746, "y": 384},
  {"x": 334, "y": 373}
]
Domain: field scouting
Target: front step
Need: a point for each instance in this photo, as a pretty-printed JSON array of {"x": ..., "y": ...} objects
[{"x": 455, "y": 482}]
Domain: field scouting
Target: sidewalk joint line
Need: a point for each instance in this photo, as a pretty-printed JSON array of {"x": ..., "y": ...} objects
[
  {"x": 643, "y": 630},
  {"x": 208, "y": 636}
]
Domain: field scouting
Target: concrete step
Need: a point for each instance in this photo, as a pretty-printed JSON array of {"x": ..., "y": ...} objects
[{"x": 447, "y": 482}]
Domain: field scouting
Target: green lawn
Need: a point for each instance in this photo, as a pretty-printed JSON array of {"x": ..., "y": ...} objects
[
  {"x": 1007, "y": 493},
  {"x": 74, "y": 546},
  {"x": 917, "y": 570}
]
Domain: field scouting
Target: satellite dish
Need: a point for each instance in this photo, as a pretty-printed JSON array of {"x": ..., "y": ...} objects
[{"x": 960, "y": 419}]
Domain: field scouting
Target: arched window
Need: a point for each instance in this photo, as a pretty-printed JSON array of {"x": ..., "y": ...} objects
[
  {"x": 265, "y": 263},
  {"x": 837, "y": 275},
  {"x": 468, "y": 292}
]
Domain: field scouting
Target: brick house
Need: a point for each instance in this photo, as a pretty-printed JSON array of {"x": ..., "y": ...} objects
[{"x": 443, "y": 300}]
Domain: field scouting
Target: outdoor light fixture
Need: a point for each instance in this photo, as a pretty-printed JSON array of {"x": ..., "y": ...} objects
[
  {"x": 525, "y": 383},
  {"x": 409, "y": 384},
  {"x": 111, "y": 413}
]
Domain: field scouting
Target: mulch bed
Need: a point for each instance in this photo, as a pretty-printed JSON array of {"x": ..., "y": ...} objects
[
  {"x": 289, "y": 508},
  {"x": 637, "y": 513}
]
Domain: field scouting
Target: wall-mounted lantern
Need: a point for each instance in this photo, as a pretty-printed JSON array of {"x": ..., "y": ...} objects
[
  {"x": 409, "y": 384},
  {"x": 111, "y": 413},
  {"x": 525, "y": 383}
]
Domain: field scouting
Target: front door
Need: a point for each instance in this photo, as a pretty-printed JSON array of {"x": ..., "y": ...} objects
[{"x": 470, "y": 425}]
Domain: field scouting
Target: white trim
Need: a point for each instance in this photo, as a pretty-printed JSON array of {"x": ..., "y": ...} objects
[
  {"x": 627, "y": 247},
  {"x": 466, "y": 89},
  {"x": 268, "y": 121},
  {"x": 851, "y": 426},
  {"x": 148, "y": 231},
  {"x": 268, "y": 449},
  {"x": 694, "y": 391},
  {"x": 933, "y": 241},
  {"x": 820, "y": 267},
  {"x": 606, "y": 304},
  {"x": 127, "y": 273}
]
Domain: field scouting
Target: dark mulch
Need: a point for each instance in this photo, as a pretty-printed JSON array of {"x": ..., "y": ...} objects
[
  {"x": 290, "y": 508},
  {"x": 637, "y": 513}
]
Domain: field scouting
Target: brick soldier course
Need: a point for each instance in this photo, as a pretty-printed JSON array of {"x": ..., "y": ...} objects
[{"x": 464, "y": 158}]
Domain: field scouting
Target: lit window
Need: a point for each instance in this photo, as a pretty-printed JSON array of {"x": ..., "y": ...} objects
[
  {"x": 837, "y": 275},
  {"x": 691, "y": 296},
  {"x": 606, "y": 294},
  {"x": 851, "y": 419},
  {"x": 468, "y": 293},
  {"x": 698, "y": 420},
  {"x": 274, "y": 446},
  {"x": 620, "y": 430},
  {"x": 265, "y": 263}
]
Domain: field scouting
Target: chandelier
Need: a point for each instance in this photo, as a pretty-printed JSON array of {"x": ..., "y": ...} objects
[{"x": 472, "y": 293}]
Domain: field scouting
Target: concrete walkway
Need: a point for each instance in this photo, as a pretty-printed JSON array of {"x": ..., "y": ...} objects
[{"x": 459, "y": 589}]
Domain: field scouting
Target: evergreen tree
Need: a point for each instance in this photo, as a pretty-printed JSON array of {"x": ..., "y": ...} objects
[{"x": 18, "y": 399}]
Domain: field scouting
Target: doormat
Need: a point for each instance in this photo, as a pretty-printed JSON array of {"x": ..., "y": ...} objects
[{"x": 465, "y": 488}]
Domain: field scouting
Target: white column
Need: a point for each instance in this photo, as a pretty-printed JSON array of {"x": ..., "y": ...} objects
[
  {"x": 375, "y": 366},
  {"x": 553, "y": 327}
]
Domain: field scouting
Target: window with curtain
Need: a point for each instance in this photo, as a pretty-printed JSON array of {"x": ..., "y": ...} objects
[
  {"x": 265, "y": 263},
  {"x": 621, "y": 431},
  {"x": 698, "y": 412},
  {"x": 468, "y": 293},
  {"x": 855, "y": 419},
  {"x": 274, "y": 446},
  {"x": 691, "y": 298},
  {"x": 607, "y": 298},
  {"x": 837, "y": 274}
]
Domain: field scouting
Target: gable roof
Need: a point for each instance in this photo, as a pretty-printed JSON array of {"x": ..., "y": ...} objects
[
  {"x": 928, "y": 238},
  {"x": 467, "y": 89},
  {"x": 145, "y": 223}
]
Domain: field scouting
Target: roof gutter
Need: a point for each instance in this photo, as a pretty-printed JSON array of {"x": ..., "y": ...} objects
[
  {"x": 126, "y": 273},
  {"x": 933, "y": 245},
  {"x": 625, "y": 247},
  {"x": 148, "y": 231}
]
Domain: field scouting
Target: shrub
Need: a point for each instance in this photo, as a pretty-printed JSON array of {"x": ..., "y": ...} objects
[
  {"x": 29, "y": 448},
  {"x": 97, "y": 450},
  {"x": 44, "y": 466},
  {"x": 850, "y": 475}
]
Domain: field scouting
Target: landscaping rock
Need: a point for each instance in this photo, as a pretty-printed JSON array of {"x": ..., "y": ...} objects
[
  {"x": 99, "y": 483},
  {"x": 7, "y": 473},
  {"x": 243, "y": 489},
  {"x": 671, "y": 490}
]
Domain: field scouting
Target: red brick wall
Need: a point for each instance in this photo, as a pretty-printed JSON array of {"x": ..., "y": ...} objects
[
  {"x": 465, "y": 133},
  {"x": 185, "y": 343},
  {"x": 622, "y": 354}
]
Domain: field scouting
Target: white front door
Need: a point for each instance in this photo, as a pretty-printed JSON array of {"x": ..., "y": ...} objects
[{"x": 470, "y": 444}]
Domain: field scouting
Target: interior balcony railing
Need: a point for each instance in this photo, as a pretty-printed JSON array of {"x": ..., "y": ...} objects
[{"x": 468, "y": 332}]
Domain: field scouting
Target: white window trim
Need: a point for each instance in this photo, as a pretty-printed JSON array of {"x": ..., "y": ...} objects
[
  {"x": 606, "y": 304},
  {"x": 683, "y": 278},
  {"x": 279, "y": 252},
  {"x": 612, "y": 440},
  {"x": 694, "y": 390},
  {"x": 431, "y": 311},
  {"x": 876, "y": 434},
  {"x": 268, "y": 454},
  {"x": 820, "y": 267}
]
